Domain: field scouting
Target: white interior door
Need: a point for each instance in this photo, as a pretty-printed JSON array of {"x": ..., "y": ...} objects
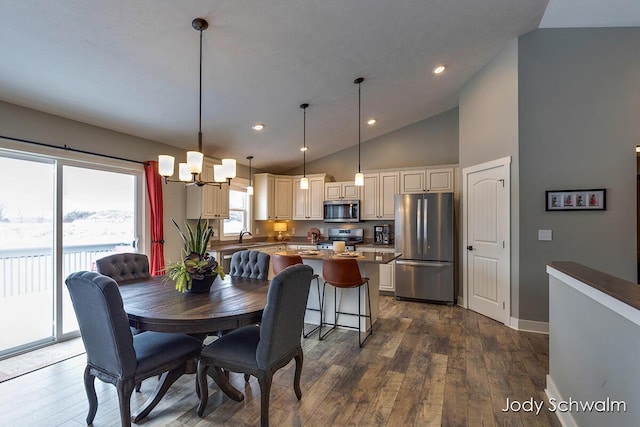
[{"x": 486, "y": 239}]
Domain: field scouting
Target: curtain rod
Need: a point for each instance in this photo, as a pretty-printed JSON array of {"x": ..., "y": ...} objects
[{"x": 67, "y": 148}]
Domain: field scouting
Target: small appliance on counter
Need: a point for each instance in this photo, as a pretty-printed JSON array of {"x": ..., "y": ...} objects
[
  {"x": 350, "y": 237},
  {"x": 382, "y": 234}
]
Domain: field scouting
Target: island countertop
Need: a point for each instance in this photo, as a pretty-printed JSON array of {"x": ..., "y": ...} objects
[{"x": 365, "y": 257}]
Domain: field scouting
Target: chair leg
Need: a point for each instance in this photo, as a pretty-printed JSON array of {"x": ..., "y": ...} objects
[
  {"x": 308, "y": 333},
  {"x": 90, "y": 388},
  {"x": 265, "y": 389},
  {"x": 299, "y": 358},
  {"x": 125, "y": 389}
]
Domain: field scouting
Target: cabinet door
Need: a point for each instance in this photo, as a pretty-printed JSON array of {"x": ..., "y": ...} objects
[
  {"x": 332, "y": 191},
  {"x": 389, "y": 187},
  {"x": 440, "y": 180},
  {"x": 350, "y": 191},
  {"x": 387, "y": 277},
  {"x": 263, "y": 196},
  {"x": 283, "y": 198},
  {"x": 300, "y": 200},
  {"x": 370, "y": 193},
  {"x": 316, "y": 198},
  {"x": 221, "y": 202},
  {"x": 412, "y": 181}
]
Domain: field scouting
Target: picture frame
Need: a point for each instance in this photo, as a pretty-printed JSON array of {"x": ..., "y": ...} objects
[{"x": 576, "y": 200}]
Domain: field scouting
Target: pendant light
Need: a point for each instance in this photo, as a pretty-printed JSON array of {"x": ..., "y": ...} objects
[
  {"x": 190, "y": 171},
  {"x": 359, "y": 180},
  {"x": 250, "y": 187},
  {"x": 304, "y": 182}
]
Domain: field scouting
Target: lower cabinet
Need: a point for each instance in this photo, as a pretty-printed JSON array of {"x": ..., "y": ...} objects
[
  {"x": 271, "y": 250},
  {"x": 387, "y": 283}
]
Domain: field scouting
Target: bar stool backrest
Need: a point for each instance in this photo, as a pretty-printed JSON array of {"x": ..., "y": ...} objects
[
  {"x": 281, "y": 261},
  {"x": 342, "y": 273}
]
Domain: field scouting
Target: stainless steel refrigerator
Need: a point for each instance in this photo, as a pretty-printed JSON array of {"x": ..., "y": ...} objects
[{"x": 424, "y": 234}]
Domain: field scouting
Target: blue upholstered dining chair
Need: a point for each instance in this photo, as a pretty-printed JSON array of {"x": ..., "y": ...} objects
[
  {"x": 124, "y": 266},
  {"x": 260, "y": 350},
  {"x": 251, "y": 264},
  {"x": 114, "y": 354}
]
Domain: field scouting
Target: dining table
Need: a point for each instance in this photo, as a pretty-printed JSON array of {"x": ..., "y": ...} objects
[{"x": 153, "y": 304}]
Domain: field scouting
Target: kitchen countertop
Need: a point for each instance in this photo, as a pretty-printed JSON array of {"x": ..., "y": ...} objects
[
  {"x": 367, "y": 257},
  {"x": 235, "y": 246}
]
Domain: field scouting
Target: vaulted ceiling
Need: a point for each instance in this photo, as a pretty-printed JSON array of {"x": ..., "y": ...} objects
[{"x": 132, "y": 66}]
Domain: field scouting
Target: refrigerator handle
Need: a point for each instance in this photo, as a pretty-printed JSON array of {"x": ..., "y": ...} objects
[
  {"x": 419, "y": 227},
  {"x": 425, "y": 238}
]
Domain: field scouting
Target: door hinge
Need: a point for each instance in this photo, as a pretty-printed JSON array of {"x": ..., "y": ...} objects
[
  {"x": 502, "y": 181},
  {"x": 503, "y": 305},
  {"x": 503, "y": 244}
]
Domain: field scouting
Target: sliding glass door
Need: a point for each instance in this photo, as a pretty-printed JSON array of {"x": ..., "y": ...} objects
[
  {"x": 59, "y": 217},
  {"x": 27, "y": 291}
]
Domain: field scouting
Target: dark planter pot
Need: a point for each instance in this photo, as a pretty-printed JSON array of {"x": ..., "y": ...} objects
[{"x": 202, "y": 285}]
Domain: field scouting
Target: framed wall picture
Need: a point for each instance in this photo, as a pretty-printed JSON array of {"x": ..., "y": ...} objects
[{"x": 576, "y": 200}]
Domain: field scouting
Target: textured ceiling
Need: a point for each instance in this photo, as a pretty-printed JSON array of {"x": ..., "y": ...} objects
[{"x": 132, "y": 66}]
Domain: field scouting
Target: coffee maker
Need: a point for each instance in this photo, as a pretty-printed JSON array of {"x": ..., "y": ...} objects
[{"x": 382, "y": 234}]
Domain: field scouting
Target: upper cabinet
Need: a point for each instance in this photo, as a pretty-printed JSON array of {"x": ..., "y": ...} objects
[
  {"x": 346, "y": 190},
  {"x": 308, "y": 204},
  {"x": 378, "y": 195},
  {"x": 272, "y": 196},
  {"x": 436, "y": 180},
  {"x": 208, "y": 201}
]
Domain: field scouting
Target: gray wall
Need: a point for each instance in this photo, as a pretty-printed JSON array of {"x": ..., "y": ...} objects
[
  {"x": 433, "y": 141},
  {"x": 578, "y": 113},
  {"x": 489, "y": 131}
]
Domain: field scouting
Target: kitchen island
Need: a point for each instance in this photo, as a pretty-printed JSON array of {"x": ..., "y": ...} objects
[{"x": 347, "y": 298}]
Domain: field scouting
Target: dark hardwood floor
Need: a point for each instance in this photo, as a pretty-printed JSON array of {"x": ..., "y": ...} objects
[{"x": 425, "y": 365}]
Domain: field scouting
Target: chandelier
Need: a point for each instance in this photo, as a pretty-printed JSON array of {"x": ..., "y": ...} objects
[{"x": 190, "y": 172}]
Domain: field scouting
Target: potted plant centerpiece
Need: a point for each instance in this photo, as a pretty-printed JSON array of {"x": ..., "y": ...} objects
[{"x": 197, "y": 271}]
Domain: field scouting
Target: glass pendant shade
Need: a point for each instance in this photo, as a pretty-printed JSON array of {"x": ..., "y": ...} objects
[
  {"x": 165, "y": 165},
  {"x": 359, "y": 181},
  {"x": 304, "y": 183},
  {"x": 229, "y": 168},
  {"x": 218, "y": 173},
  {"x": 183, "y": 172},
  {"x": 194, "y": 161}
]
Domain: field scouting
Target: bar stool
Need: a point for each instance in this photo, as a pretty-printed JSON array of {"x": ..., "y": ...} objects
[
  {"x": 345, "y": 273},
  {"x": 281, "y": 261}
]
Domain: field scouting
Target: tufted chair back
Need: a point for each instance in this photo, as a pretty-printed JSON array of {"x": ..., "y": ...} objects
[
  {"x": 251, "y": 264},
  {"x": 124, "y": 266}
]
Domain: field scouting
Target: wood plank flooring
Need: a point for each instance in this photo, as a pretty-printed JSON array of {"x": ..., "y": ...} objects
[{"x": 425, "y": 365}]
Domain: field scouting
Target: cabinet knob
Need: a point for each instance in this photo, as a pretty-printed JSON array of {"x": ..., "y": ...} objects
[{"x": 470, "y": 248}]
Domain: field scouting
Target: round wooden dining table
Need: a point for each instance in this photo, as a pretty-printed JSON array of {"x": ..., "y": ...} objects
[{"x": 153, "y": 304}]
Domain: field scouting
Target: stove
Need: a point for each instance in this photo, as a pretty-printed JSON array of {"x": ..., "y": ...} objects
[{"x": 350, "y": 236}]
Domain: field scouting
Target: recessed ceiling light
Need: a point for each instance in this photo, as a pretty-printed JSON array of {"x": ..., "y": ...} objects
[
  {"x": 304, "y": 148},
  {"x": 439, "y": 69},
  {"x": 257, "y": 126},
  {"x": 371, "y": 122}
]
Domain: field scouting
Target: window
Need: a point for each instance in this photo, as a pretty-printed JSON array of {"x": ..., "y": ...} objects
[{"x": 239, "y": 211}]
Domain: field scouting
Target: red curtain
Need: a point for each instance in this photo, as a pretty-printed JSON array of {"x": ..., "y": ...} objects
[{"x": 154, "y": 189}]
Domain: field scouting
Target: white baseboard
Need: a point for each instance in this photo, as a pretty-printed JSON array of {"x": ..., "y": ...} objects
[
  {"x": 552, "y": 392},
  {"x": 529, "y": 325},
  {"x": 461, "y": 302}
]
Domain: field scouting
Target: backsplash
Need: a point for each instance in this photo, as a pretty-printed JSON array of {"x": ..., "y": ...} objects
[{"x": 300, "y": 228}]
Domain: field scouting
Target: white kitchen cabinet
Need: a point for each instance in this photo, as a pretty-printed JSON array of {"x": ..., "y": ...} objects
[
  {"x": 378, "y": 195},
  {"x": 345, "y": 190},
  {"x": 308, "y": 204},
  {"x": 435, "y": 180},
  {"x": 272, "y": 196},
  {"x": 208, "y": 201},
  {"x": 271, "y": 249}
]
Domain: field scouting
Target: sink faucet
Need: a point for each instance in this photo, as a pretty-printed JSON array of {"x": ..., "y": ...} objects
[{"x": 242, "y": 233}]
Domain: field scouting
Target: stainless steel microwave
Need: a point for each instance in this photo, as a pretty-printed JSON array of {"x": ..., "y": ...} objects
[{"x": 342, "y": 211}]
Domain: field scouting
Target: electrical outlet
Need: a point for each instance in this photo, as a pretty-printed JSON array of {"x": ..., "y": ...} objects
[
  {"x": 257, "y": 230},
  {"x": 545, "y": 235},
  {"x": 293, "y": 230},
  {"x": 322, "y": 231}
]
